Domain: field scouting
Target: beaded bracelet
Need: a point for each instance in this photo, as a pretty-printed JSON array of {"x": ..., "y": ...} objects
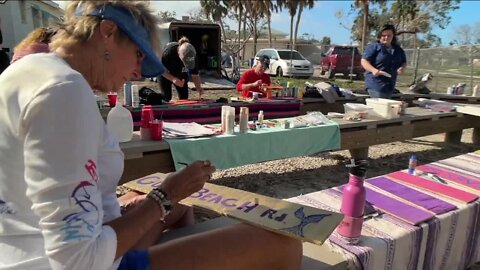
[{"x": 160, "y": 197}]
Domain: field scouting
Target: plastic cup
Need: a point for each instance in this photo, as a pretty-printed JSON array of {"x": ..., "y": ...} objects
[
  {"x": 112, "y": 99},
  {"x": 269, "y": 93},
  {"x": 146, "y": 116},
  {"x": 255, "y": 95},
  {"x": 156, "y": 128}
]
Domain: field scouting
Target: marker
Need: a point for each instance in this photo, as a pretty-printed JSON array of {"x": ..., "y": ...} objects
[
  {"x": 183, "y": 163},
  {"x": 437, "y": 179}
]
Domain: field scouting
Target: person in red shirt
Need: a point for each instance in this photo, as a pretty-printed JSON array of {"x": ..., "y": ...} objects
[{"x": 252, "y": 80}]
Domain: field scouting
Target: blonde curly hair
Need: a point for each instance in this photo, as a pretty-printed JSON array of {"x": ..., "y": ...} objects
[
  {"x": 78, "y": 28},
  {"x": 39, "y": 35}
]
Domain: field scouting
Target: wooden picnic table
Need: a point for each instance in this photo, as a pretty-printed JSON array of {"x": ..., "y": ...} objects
[
  {"x": 147, "y": 157},
  {"x": 319, "y": 104}
]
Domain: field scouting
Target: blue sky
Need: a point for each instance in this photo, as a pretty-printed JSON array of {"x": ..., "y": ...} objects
[{"x": 321, "y": 21}]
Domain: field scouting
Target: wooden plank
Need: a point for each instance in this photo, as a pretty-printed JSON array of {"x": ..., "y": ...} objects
[
  {"x": 211, "y": 83},
  {"x": 476, "y": 136},
  {"x": 446, "y": 124},
  {"x": 151, "y": 162},
  {"x": 469, "y": 109},
  {"x": 288, "y": 218},
  {"x": 454, "y": 137}
]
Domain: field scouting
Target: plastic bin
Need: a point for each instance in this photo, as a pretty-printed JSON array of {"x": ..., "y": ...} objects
[
  {"x": 385, "y": 108},
  {"x": 356, "y": 110}
]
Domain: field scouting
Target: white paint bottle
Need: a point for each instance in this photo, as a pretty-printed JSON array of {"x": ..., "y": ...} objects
[
  {"x": 243, "y": 122},
  {"x": 260, "y": 117},
  {"x": 135, "y": 96}
]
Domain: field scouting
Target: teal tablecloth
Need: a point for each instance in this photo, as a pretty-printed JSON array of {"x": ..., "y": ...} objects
[{"x": 228, "y": 151}]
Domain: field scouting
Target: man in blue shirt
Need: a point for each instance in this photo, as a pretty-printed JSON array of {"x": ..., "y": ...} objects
[{"x": 383, "y": 61}]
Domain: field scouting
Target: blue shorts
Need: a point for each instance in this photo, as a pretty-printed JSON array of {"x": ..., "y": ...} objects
[
  {"x": 378, "y": 94},
  {"x": 135, "y": 260}
]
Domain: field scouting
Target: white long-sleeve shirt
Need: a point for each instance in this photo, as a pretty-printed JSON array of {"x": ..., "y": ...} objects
[{"x": 59, "y": 167}]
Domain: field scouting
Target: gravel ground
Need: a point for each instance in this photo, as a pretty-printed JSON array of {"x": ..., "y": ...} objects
[{"x": 292, "y": 177}]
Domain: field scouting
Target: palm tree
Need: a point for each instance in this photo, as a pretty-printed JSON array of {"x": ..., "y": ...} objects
[
  {"x": 363, "y": 5},
  {"x": 301, "y": 5},
  {"x": 268, "y": 7},
  {"x": 216, "y": 10},
  {"x": 256, "y": 9},
  {"x": 237, "y": 6},
  {"x": 292, "y": 6}
]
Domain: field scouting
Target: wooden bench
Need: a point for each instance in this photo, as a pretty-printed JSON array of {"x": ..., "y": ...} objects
[
  {"x": 147, "y": 157},
  {"x": 319, "y": 104}
]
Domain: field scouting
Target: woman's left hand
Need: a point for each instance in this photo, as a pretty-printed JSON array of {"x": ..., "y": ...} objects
[
  {"x": 400, "y": 70},
  {"x": 130, "y": 200}
]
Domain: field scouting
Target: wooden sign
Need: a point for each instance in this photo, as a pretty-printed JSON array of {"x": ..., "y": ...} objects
[{"x": 287, "y": 218}]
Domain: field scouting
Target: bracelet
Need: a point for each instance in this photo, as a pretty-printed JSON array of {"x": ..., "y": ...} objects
[
  {"x": 174, "y": 81},
  {"x": 160, "y": 197}
]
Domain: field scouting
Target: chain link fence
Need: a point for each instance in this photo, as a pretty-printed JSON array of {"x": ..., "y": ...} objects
[{"x": 448, "y": 65}]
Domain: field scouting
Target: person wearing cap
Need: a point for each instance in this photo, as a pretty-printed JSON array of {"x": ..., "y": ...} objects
[
  {"x": 60, "y": 165},
  {"x": 383, "y": 61},
  {"x": 253, "y": 79},
  {"x": 180, "y": 58}
]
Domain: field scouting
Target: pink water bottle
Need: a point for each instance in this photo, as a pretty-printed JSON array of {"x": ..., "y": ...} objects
[{"x": 353, "y": 203}]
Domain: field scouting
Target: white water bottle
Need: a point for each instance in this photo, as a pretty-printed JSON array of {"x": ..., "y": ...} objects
[
  {"x": 475, "y": 92},
  {"x": 127, "y": 93},
  {"x": 243, "y": 120},
  {"x": 230, "y": 121},
  {"x": 260, "y": 117},
  {"x": 135, "y": 96},
  {"x": 120, "y": 123}
]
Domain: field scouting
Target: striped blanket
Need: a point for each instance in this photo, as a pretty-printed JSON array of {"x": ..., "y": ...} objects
[
  {"x": 419, "y": 223},
  {"x": 208, "y": 112}
]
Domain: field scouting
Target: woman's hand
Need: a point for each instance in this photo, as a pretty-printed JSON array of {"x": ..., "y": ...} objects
[
  {"x": 178, "y": 82},
  {"x": 188, "y": 180},
  {"x": 400, "y": 70},
  {"x": 130, "y": 200},
  {"x": 263, "y": 89},
  {"x": 376, "y": 72}
]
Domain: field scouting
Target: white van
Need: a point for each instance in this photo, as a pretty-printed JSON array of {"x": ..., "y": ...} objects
[{"x": 280, "y": 63}]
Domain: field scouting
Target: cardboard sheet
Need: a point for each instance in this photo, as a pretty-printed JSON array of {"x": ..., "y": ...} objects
[{"x": 291, "y": 219}]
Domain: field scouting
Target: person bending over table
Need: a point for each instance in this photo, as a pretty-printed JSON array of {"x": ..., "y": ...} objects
[
  {"x": 383, "y": 61},
  {"x": 60, "y": 165},
  {"x": 253, "y": 79},
  {"x": 180, "y": 59}
]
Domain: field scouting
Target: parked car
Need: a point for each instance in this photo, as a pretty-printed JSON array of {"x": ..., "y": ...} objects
[
  {"x": 338, "y": 59},
  {"x": 280, "y": 63}
]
